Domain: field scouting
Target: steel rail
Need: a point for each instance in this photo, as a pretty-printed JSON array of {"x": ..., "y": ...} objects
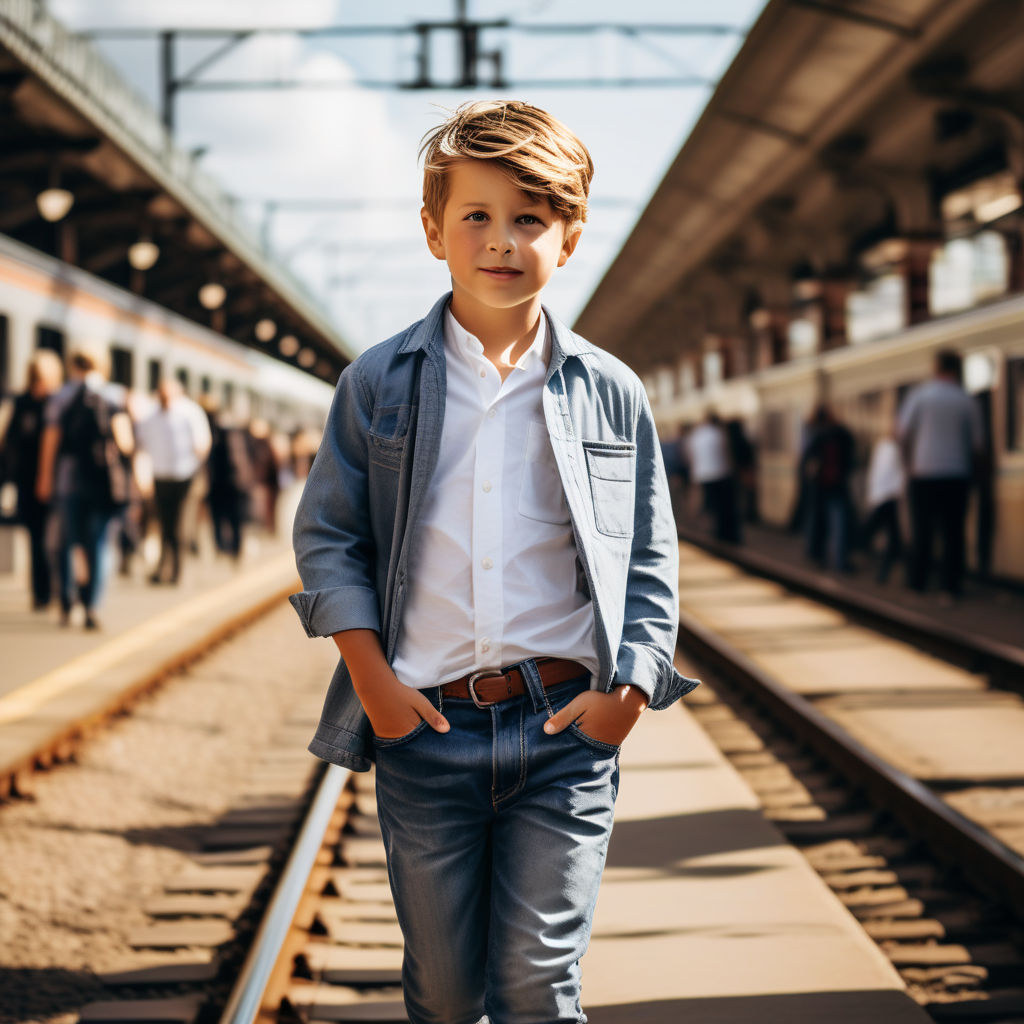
[
  {"x": 1003, "y": 663},
  {"x": 246, "y": 999},
  {"x": 989, "y": 864}
]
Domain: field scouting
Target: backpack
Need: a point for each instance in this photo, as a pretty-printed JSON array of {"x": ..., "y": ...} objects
[{"x": 87, "y": 437}]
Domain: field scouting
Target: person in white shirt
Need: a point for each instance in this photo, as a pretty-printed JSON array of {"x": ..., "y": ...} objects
[
  {"x": 711, "y": 466},
  {"x": 885, "y": 484},
  {"x": 176, "y": 437}
]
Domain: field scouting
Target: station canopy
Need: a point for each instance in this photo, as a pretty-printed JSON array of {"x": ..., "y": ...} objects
[
  {"x": 840, "y": 125},
  {"x": 70, "y": 124}
]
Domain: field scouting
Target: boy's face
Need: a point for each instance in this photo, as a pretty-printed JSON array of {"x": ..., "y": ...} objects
[{"x": 501, "y": 245}]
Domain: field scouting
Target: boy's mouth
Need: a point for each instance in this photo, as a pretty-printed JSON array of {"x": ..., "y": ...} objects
[{"x": 501, "y": 272}]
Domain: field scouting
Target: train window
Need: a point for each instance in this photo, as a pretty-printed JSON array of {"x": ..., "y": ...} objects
[
  {"x": 182, "y": 374},
  {"x": 153, "y": 373},
  {"x": 1015, "y": 404},
  {"x": 51, "y": 338},
  {"x": 122, "y": 365},
  {"x": 5, "y": 357},
  {"x": 229, "y": 395},
  {"x": 205, "y": 385}
]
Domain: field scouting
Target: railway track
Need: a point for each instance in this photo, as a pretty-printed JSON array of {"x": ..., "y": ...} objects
[{"x": 936, "y": 878}]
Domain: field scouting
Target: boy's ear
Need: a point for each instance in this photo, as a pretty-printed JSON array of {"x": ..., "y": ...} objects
[
  {"x": 434, "y": 241},
  {"x": 572, "y": 236}
]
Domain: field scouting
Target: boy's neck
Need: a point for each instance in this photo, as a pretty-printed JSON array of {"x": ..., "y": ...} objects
[{"x": 505, "y": 334}]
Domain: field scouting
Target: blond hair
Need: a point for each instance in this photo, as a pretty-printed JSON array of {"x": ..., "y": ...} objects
[
  {"x": 538, "y": 152},
  {"x": 46, "y": 369}
]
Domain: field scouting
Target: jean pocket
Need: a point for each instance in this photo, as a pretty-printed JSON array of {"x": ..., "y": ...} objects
[
  {"x": 590, "y": 741},
  {"x": 385, "y": 742}
]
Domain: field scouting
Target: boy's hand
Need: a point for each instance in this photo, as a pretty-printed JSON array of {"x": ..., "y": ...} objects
[
  {"x": 395, "y": 709},
  {"x": 607, "y": 717}
]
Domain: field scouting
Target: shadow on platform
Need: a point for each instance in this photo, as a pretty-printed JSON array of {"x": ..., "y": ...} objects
[{"x": 784, "y": 1008}]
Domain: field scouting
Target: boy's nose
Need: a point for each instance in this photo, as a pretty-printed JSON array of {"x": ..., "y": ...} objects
[{"x": 501, "y": 243}]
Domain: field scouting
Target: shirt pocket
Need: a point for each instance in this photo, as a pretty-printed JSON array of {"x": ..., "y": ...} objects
[
  {"x": 540, "y": 493},
  {"x": 388, "y": 431},
  {"x": 611, "y": 467}
]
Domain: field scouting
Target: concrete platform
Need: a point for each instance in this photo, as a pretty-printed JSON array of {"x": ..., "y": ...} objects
[
  {"x": 53, "y": 678},
  {"x": 931, "y": 719},
  {"x": 707, "y": 913}
]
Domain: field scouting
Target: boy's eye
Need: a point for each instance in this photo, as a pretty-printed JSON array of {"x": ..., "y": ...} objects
[
  {"x": 477, "y": 216},
  {"x": 528, "y": 218}
]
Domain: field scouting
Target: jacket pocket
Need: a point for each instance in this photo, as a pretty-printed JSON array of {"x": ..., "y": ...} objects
[
  {"x": 611, "y": 466},
  {"x": 388, "y": 431}
]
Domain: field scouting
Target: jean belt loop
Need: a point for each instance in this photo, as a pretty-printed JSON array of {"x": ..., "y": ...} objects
[
  {"x": 439, "y": 698},
  {"x": 534, "y": 687}
]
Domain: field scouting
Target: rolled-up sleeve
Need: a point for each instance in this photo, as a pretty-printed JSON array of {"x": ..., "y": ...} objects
[
  {"x": 334, "y": 549},
  {"x": 652, "y": 596}
]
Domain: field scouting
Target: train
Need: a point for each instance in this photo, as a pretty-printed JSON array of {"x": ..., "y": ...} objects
[
  {"x": 864, "y": 384},
  {"x": 45, "y": 303}
]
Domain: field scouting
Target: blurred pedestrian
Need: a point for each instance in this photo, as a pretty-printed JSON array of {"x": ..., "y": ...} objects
[
  {"x": 941, "y": 434},
  {"x": 744, "y": 461},
  {"x": 886, "y": 481},
  {"x": 20, "y": 447},
  {"x": 266, "y": 485},
  {"x": 230, "y": 474},
  {"x": 86, "y": 433},
  {"x": 711, "y": 467},
  {"x": 176, "y": 437},
  {"x": 828, "y": 465}
]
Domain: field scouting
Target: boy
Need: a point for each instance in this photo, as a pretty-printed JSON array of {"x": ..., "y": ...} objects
[{"x": 486, "y": 534}]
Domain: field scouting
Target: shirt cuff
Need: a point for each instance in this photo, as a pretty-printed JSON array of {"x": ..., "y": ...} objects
[
  {"x": 325, "y": 612},
  {"x": 640, "y": 667}
]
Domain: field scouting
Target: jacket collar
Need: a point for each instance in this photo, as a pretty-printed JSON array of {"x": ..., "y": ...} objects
[{"x": 429, "y": 334}]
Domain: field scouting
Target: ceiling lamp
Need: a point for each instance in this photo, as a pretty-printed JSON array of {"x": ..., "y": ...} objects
[
  {"x": 307, "y": 357},
  {"x": 143, "y": 254},
  {"x": 54, "y": 203},
  {"x": 288, "y": 345},
  {"x": 212, "y": 295},
  {"x": 265, "y": 329}
]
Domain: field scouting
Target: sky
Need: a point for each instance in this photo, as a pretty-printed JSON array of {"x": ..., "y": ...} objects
[{"x": 368, "y": 263}]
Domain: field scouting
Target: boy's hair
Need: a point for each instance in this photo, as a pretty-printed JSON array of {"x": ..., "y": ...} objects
[{"x": 537, "y": 152}]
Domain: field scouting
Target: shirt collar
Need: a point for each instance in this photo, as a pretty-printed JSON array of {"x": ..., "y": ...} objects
[{"x": 460, "y": 340}]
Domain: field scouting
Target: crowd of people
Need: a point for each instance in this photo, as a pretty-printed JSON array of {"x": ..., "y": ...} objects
[
  {"x": 95, "y": 469},
  {"x": 926, "y": 461}
]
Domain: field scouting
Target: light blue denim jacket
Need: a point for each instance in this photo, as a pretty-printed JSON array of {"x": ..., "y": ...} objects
[{"x": 356, "y": 526}]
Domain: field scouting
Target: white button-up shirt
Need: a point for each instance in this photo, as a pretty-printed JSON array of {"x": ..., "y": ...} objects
[{"x": 494, "y": 579}]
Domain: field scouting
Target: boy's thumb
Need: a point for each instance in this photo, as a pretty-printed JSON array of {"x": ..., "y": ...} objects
[{"x": 557, "y": 722}]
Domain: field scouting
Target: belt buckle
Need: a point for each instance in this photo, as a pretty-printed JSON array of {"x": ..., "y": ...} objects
[{"x": 487, "y": 673}]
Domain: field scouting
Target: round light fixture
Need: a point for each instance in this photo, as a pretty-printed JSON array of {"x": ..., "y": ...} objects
[
  {"x": 54, "y": 203},
  {"x": 307, "y": 357},
  {"x": 212, "y": 295},
  {"x": 265, "y": 329},
  {"x": 143, "y": 254},
  {"x": 288, "y": 345}
]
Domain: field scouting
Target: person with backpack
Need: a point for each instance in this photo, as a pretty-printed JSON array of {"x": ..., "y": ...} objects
[
  {"x": 19, "y": 455},
  {"x": 82, "y": 471},
  {"x": 828, "y": 464}
]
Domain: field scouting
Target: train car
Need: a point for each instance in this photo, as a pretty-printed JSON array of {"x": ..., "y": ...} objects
[
  {"x": 45, "y": 303},
  {"x": 864, "y": 383}
]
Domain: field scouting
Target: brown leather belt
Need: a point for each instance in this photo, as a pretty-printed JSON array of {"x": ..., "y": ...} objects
[{"x": 493, "y": 685}]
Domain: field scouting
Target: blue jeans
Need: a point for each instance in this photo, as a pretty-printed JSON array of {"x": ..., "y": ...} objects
[
  {"x": 496, "y": 836},
  {"x": 84, "y": 524}
]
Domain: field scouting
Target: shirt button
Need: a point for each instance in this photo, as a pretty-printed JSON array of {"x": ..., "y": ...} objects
[
  {"x": 487, "y": 563},
  {"x": 491, "y": 413},
  {"x": 486, "y": 485},
  {"x": 485, "y": 645},
  {"x": 483, "y": 373}
]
